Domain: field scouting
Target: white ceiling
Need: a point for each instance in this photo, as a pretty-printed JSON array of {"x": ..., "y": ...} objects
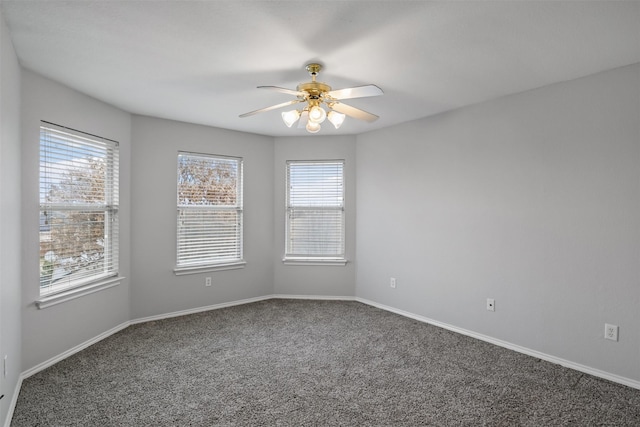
[{"x": 200, "y": 61}]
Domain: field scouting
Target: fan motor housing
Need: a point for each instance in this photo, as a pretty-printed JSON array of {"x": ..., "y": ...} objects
[{"x": 314, "y": 89}]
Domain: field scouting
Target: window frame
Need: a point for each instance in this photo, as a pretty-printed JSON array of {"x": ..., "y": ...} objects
[
  {"x": 183, "y": 267},
  {"x": 74, "y": 144},
  {"x": 314, "y": 258}
]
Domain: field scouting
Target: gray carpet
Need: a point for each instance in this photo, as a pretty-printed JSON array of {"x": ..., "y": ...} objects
[{"x": 312, "y": 363}]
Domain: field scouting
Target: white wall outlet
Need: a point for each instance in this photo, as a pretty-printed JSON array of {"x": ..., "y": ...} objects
[
  {"x": 491, "y": 304},
  {"x": 392, "y": 282},
  {"x": 611, "y": 332},
  {"x": 207, "y": 281}
]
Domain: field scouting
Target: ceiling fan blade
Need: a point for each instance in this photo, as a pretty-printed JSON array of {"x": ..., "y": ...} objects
[
  {"x": 273, "y": 107},
  {"x": 356, "y": 92},
  {"x": 284, "y": 90},
  {"x": 354, "y": 112}
]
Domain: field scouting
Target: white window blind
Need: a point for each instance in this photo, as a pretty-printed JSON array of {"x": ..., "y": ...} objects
[
  {"x": 78, "y": 208},
  {"x": 209, "y": 210},
  {"x": 315, "y": 210}
]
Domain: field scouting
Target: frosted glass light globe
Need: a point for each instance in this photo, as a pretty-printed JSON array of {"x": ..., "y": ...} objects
[
  {"x": 313, "y": 127},
  {"x": 336, "y": 118},
  {"x": 317, "y": 114},
  {"x": 290, "y": 117}
]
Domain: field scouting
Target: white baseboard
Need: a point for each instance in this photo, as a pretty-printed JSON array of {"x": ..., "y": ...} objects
[
  {"x": 313, "y": 297},
  {"x": 100, "y": 337},
  {"x": 199, "y": 309},
  {"x": 566, "y": 363},
  {"x": 14, "y": 401},
  {"x": 44, "y": 365},
  {"x": 524, "y": 350}
]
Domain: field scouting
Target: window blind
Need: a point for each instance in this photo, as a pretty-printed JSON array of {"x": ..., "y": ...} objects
[
  {"x": 209, "y": 210},
  {"x": 79, "y": 175},
  {"x": 315, "y": 210}
]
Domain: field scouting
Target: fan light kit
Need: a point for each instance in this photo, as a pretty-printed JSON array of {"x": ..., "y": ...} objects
[{"x": 315, "y": 94}]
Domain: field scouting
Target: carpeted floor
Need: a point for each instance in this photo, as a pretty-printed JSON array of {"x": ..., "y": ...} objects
[{"x": 312, "y": 363}]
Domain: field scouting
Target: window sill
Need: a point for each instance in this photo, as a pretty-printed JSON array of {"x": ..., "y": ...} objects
[
  {"x": 51, "y": 300},
  {"x": 307, "y": 261},
  {"x": 180, "y": 271}
]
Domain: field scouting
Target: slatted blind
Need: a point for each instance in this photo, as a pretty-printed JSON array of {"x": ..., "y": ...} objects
[
  {"x": 209, "y": 210},
  {"x": 315, "y": 210},
  {"x": 78, "y": 208}
]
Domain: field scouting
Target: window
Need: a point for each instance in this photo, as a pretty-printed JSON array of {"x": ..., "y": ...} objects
[
  {"x": 209, "y": 211},
  {"x": 78, "y": 208},
  {"x": 315, "y": 211}
]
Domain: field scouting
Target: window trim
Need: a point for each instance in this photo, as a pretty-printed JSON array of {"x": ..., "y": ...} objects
[
  {"x": 311, "y": 261},
  {"x": 315, "y": 260},
  {"x": 181, "y": 271},
  {"x": 86, "y": 285},
  {"x": 77, "y": 292},
  {"x": 229, "y": 264}
]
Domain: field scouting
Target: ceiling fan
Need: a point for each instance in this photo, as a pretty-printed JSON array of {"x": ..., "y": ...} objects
[{"x": 314, "y": 94}]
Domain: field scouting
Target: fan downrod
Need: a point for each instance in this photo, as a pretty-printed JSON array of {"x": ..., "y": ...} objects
[{"x": 314, "y": 88}]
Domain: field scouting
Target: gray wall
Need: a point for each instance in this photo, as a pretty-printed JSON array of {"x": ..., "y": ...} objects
[
  {"x": 10, "y": 218},
  {"x": 314, "y": 280},
  {"x": 532, "y": 199},
  {"x": 156, "y": 289},
  {"x": 49, "y": 332}
]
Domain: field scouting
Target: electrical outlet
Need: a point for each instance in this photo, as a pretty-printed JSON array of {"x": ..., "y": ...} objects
[
  {"x": 392, "y": 282},
  {"x": 611, "y": 332},
  {"x": 207, "y": 281},
  {"x": 491, "y": 304},
  {"x": 4, "y": 366}
]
